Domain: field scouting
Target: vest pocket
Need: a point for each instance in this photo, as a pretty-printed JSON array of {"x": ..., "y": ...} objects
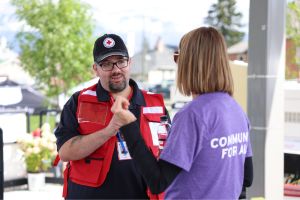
[
  {"x": 152, "y": 117},
  {"x": 92, "y": 112},
  {"x": 149, "y": 124},
  {"x": 87, "y": 170}
]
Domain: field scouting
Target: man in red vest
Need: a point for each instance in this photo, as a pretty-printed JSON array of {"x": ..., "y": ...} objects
[{"x": 88, "y": 135}]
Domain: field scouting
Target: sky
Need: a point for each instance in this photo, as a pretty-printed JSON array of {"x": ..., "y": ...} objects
[{"x": 133, "y": 19}]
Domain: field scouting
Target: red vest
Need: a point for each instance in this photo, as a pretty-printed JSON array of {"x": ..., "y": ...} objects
[{"x": 92, "y": 116}]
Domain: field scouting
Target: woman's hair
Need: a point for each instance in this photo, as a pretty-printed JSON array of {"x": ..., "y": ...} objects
[{"x": 203, "y": 64}]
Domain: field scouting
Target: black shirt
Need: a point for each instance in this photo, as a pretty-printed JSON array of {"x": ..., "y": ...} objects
[{"x": 123, "y": 181}]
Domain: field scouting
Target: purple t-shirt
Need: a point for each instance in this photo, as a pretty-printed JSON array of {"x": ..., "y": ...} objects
[{"x": 209, "y": 140}]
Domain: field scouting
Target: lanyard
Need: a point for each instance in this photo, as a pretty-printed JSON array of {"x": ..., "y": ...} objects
[{"x": 124, "y": 151}]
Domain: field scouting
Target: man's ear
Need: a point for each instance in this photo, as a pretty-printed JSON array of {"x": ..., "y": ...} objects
[{"x": 95, "y": 67}]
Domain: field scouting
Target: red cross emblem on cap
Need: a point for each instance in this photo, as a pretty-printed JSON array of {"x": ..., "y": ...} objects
[{"x": 108, "y": 42}]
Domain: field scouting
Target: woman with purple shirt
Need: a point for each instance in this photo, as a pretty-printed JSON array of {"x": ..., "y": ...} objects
[{"x": 208, "y": 153}]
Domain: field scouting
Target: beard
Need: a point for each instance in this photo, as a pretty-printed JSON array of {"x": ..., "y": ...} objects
[{"x": 117, "y": 87}]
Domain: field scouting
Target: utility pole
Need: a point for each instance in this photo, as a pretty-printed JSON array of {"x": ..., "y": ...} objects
[{"x": 266, "y": 95}]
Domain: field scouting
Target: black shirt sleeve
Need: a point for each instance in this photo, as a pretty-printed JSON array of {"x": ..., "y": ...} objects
[
  {"x": 68, "y": 125},
  {"x": 248, "y": 172},
  {"x": 158, "y": 174},
  {"x": 248, "y": 176}
]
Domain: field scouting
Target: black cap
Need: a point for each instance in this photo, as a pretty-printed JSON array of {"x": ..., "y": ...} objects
[{"x": 109, "y": 45}]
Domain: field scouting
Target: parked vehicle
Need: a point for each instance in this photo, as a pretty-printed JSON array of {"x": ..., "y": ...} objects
[{"x": 160, "y": 90}]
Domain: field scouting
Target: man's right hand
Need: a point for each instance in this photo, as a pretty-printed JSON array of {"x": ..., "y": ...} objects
[{"x": 122, "y": 115}]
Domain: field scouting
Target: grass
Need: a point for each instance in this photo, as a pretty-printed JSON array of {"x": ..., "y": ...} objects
[{"x": 35, "y": 121}]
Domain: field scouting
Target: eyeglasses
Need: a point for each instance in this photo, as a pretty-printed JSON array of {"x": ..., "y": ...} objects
[
  {"x": 175, "y": 56},
  {"x": 109, "y": 66}
]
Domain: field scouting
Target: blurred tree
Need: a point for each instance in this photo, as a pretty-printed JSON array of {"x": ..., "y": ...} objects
[
  {"x": 56, "y": 42},
  {"x": 222, "y": 16},
  {"x": 293, "y": 34}
]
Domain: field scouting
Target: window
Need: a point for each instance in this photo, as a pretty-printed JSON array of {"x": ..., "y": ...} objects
[{"x": 292, "y": 117}]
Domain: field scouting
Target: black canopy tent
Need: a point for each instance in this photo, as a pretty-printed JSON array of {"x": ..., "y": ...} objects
[
  {"x": 16, "y": 98},
  {"x": 31, "y": 102}
]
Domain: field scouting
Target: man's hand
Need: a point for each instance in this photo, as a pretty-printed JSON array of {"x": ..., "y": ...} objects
[
  {"x": 121, "y": 113},
  {"x": 122, "y": 116}
]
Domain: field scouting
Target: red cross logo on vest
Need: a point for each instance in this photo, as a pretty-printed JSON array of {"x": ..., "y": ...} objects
[{"x": 109, "y": 42}]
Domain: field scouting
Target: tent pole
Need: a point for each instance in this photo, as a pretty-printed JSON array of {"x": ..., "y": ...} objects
[{"x": 28, "y": 122}]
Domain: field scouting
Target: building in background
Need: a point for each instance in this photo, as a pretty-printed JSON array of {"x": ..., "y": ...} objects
[
  {"x": 156, "y": 65},
  {"x": 239, "y": 51}
]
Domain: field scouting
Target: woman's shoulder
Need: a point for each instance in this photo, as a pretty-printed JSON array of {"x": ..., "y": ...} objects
[{"x": 191, "y": 108}]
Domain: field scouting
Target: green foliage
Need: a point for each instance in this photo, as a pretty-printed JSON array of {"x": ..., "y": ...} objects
[
  {"x": 35, "y": 121},
  {"x": 56, "y": 42},
  {"x": 223, "y": 16},
  {"x": 39, "y": 151},
  {"x": 293, "y": 27},
  {"x": 293, "y": 32},
  {"x": 33, "y": 162},
  {"x": 39, "y": 162}
]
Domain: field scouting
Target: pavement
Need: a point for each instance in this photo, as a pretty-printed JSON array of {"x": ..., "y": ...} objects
[
  {"x": 48, "y": 192},
  {"x": 51, "y": 192}
]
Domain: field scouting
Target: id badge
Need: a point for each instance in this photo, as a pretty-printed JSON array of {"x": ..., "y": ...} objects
[
  {"x": 153, "y": 129},
  {"x": 123, "y": 155}
]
